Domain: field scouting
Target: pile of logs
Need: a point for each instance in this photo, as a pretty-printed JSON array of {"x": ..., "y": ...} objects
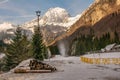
[{"x": 38, "y": 65}]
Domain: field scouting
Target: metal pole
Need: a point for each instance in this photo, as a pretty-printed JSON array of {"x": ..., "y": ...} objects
[{"x": 38, "y": 15}]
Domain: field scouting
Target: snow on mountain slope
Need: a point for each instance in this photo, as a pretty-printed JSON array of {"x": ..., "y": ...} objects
[
  {"x": 29, "y": 25},
  {"x": 6, "y": 30},
  {"x": 54, "y": 23},
  {"x": 4, "y": 26},
  {"x": 54, "y": 16},
  {"x": 71, "y": 21},
  {"x": 57, "y": 15}
]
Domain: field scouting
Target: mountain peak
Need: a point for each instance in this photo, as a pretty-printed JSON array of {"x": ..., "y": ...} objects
[{"x": 56, "y": 14}]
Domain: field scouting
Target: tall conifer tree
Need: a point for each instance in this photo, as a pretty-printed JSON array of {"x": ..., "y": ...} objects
[
  {"x": 37, "y": 44},
  {"x": 17, "y": 50}
]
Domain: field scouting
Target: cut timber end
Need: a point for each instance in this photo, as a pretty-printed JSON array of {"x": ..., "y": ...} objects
[{"x": 20, "y": 71}]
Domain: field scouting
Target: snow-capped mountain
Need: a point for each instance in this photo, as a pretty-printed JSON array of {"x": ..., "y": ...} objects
[
  {"x": 56, "y": 15},
  {"x": 5, "y": 26},
  {"x": 6, "y": 30},
  {"x": 54, "y": 23}
]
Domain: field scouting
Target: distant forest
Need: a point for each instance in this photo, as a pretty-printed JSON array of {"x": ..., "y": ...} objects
[{"x": 87, "y": 43}]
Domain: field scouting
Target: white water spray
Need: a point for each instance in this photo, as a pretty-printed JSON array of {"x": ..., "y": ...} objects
[{"x": 63, "y": 47}]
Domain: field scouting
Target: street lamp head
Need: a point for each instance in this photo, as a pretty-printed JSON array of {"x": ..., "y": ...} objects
[{"x": 38, "y": 13}]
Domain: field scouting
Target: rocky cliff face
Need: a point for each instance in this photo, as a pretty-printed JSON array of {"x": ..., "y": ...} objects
[
  {"x": 92, "y": 18},
  {"x": 102, "y": 16},
  {"x": 98, "y": 10}
]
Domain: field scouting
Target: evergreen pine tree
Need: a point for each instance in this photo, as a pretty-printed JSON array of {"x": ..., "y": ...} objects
[
  {"x": 13, "y": 50},
  {"x": 16, "y": 51},
  {"x": 37, "y": 44},
  {"x": 116, "y": 37},
  {"x": 25, "y": 47}
]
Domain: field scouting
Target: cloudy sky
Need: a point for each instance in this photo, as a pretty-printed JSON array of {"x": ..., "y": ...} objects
[{"x": 20, "y": 11}]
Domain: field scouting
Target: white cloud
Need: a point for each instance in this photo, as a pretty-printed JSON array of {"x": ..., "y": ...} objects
[
  {"x": 3, "y": 1},
  {"x": 12, "y": 7},
  {"x": 23, "y": 16},
  {"x": 16, "y": 19}
]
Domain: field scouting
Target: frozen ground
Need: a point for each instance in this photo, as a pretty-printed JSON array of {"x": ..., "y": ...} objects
[
  {"x": 104, "y": 55},
  {"x": 70, "y": 68}
]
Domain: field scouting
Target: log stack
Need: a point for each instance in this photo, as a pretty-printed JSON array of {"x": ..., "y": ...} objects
[{"x": 38, "y": 65}]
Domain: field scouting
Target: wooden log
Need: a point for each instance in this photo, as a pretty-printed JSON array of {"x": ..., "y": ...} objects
[
  {"x": 31, "y": 71},
  {"x": 20, "y": 71},
  {"x": 38, "y": 71}
]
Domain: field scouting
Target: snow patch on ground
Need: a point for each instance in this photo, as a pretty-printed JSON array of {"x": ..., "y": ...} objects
[
  {"x": 24, "y": 65},
  {"x": 71, "y": 68},
  {"x": 59, "y": 57},
  {"x": 104, "y": 55}
]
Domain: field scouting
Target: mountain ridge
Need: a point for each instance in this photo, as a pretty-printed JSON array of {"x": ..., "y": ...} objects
[{"x": 97, "y": 11}]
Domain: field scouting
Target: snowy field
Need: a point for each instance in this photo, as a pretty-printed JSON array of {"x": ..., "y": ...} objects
[
  {"x": 70, "y": 68},
  {"x": 104, "y": 55}
]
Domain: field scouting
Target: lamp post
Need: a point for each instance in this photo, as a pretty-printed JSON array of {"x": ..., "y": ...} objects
[{"x": 38, "y": 15}]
